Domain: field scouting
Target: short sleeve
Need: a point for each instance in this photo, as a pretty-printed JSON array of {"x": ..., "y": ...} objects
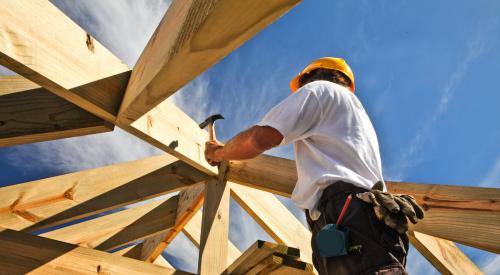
[{"x": 295, "y": 117}]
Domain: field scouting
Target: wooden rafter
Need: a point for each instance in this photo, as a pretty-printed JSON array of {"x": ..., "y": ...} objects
[
  {"x": 42, "y": 203},
  {"x": 30, "y": 114},
  {"x": 134, "y": 252},
  {"x": 192, "y": 36},
  {"x": 451, "y": 211},
  {"x": 63, "y": 58},
  {"x": 48, "y": 256},
  {"x": 274, "y": 218},
  {"x": 261, "y": 251},
  {"x": 120, "y": 228},
  {"x": 213, "y": 250},
  {"x": 190, "y": 201},
  {"x": 444, "y": 255},
  {"x": 192, "y": 230}
]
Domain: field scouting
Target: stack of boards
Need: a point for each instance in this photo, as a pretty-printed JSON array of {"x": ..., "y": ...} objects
[{"x": 268, "y": 258}]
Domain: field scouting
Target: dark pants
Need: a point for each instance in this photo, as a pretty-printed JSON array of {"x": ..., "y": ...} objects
[{"x": 383, "y": 249}]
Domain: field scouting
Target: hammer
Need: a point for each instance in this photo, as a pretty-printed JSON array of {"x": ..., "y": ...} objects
[{"x": 211, "y": 127}]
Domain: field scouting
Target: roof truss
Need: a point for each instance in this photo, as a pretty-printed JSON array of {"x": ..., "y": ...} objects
[{"x": 90, "y": 83}]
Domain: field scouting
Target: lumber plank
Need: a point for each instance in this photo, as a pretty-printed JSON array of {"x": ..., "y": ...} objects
[
  {"x": 192, "y": 230},
  {"x": 120, "y": 228},
  {"x": 279, "y": 264},
  {"x": 36, "y": 115},
  {"x": 192, "y": 36},
  {"x": 41, "y": 43},
  {"x": 170, "y": 129},
  {"x": 23, "y": 253},
  {"x": 257, "y": 253},
  {"x": 42, "y": 203},
  {"x": 111, "y": 231},
  {"x": 451, "y": 212},
  {"x": 10, "y": 84},
  {"x": 267, "y": 173},
  {"x": 135, "y": 252},
  {"x": 190, "y": 201},
  {"x": 444, "y": 255},
  {"x": 214, "y": 236},
  {"x": 274, "y": 218}
]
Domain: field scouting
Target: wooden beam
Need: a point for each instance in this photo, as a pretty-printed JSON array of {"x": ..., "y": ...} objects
[
  {"x": 190, "y": 201},
  {"x": 451, "y": 212},
  {"x": 192, "y": 230},
  {"x": 23, "y": 253},
  {"x": 170, "y": 129},
  {"x": 120, "y": 228},
  {"x": 258, "y": 252},
  {"x": 443, "y": 254},
  {"x": 215, "y": 226},
  {"x": 36, "y": 115},
  {"x": 274, "y": 218},
  {"x": 135, "y": 252},
  {"x": 192, "y": 36},
  {"x": 47, "y": 202},
  {"x": 10, "y": 84},
  {"x": 267, "y": 173},
  {"x": 279, "y": 264},
  {"x": 41, "y": 43}
]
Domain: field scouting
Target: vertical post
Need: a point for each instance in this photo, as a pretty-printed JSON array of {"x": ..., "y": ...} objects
[{"x": 215, "y": 225}]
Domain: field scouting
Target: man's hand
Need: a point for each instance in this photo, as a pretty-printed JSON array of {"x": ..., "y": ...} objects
[{"x": 212, "y": 152}]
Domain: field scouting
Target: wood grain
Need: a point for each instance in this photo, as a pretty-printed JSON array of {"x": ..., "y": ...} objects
[
  {"x": 120, "y": 228},
  {"x": 192, "y": 36},
  {"x": 190, "y": 201},
  {"x": 274, "y": 218},
  {"x": 10, "y": 84},
  {"x": 48, "y": 256},
  {"x": 38, "y": 115},
  {"x": 214, "y": 229},
  {"x": 451, "y": 212},
  {"x": 444, "y": 255},
  {"x": 38, "y": 204},
  {"x": 192, "y": 230},
  {"x": 41, "y": 43},
  {"x": 135, "y": 252},
  {"x": 258, "y": 252}
]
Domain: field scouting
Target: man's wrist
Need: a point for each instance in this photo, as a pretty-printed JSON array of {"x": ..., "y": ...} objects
[{"x": 219, "y": 155}]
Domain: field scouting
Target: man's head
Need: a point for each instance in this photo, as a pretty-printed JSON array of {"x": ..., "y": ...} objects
[{"x": 327, "y": 68}]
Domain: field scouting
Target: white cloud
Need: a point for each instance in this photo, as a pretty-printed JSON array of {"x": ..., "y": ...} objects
[
  {"x": 491, "y": 265},
  {"x": 74, "y": 154},
  {"x": 412, "y": 156},
  {"x": 417, "y": 264},
  {"x": 124, "y": 26},
  {"x": 492, "y": 178}
]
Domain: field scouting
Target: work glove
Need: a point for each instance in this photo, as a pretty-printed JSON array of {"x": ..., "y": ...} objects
[{"x": 393, "y": 210}]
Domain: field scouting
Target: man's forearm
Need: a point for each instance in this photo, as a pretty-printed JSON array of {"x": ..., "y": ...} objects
[{"x": 249, "y": 143}]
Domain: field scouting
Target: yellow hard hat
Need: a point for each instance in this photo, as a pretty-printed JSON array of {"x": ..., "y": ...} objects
[{"x": 332, "y": 63}]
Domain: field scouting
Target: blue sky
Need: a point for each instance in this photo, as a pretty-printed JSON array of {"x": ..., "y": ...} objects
[{"x": 427, "y": 73}]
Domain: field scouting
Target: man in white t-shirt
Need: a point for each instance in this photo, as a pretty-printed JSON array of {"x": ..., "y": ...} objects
[{"x": 337, "y": 153}]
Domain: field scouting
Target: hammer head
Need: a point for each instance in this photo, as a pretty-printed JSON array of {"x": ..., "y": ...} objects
[{"x": 210, "y": 119}]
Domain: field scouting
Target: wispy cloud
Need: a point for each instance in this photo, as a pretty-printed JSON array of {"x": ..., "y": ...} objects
[
  {"x": 491, "y": 265},
  {"x": 417, "y": 264},
  {"x": 74, "y": 154},
  {"x": 492, "y": 178},
  {"x": 412, "y": 156},
  {"x": 124, "y": 26}
]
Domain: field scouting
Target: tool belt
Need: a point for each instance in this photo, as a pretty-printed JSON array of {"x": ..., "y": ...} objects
[{"x": 354, "y": 239}]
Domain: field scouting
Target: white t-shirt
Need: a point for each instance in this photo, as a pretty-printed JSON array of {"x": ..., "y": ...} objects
[{"x": 333, "y": 140}]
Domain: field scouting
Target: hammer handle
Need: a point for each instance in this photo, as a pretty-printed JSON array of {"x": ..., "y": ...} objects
[{"x": 211, "y": 132}]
